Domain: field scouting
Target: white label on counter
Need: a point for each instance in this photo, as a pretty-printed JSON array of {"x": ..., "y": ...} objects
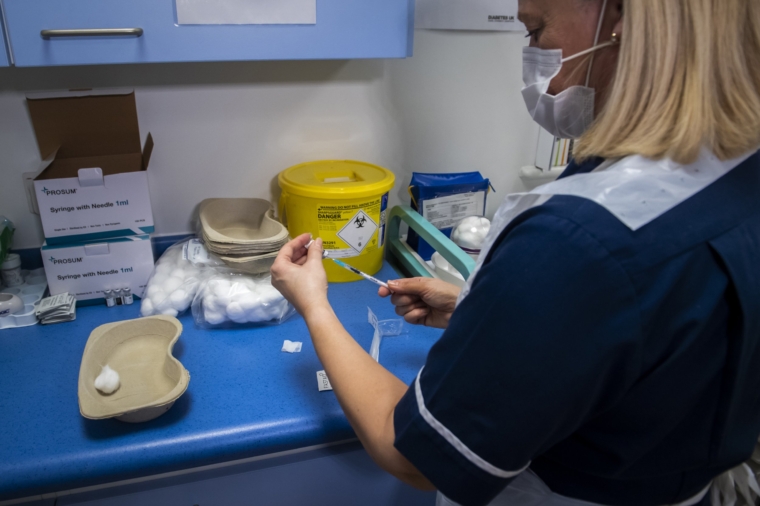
[
  {"x": 445, "y": 212},
  {"x": 322, "y": 382}
]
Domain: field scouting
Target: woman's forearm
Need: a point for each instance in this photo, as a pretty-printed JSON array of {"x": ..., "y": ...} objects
[{"x": 367, "y": 392}]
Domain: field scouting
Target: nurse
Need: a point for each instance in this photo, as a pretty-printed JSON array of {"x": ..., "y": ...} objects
[{"x": 607, "y": 348}]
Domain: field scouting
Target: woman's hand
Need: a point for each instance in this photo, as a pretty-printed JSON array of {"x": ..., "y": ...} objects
[
  {"x": 423, "y": 301},
  {"x": 299, "y": 275}
]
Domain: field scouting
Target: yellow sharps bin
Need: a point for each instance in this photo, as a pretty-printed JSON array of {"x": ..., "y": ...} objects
[{"x": 345, "y": 203}]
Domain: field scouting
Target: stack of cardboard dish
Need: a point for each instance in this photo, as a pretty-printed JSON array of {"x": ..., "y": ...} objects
[{"x": 243, "y": 232}]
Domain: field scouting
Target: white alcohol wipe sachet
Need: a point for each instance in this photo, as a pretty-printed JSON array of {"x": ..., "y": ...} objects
[{"x": 291, "y": 347}]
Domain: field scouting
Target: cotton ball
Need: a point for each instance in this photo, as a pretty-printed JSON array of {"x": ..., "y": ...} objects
[
  {"x": 171, "y": 284},
  {"x": 178, "y": 273},
  {"x": 240, "y": 319},
  {"x": 222, "y": 294},
  {"x": 163, "y": 268},
  {"x": 243, "y": 293},
  {"x": 209, "y": 304},
  {"x": 107, "y": 381},
  {"x": 213, "y": 318},
  {"x": 248, "y": 284},
  {"x": 258, "y": 314},
  {"x": 163, "y": 305},
  {"x": 191, "y": 285},
  {"x": 146, "y": 307},
  {"x": 239, "y": 287},
  {"x": 159, "y": 279},
  {"x": 155, "y": 292},
  {"x": 278, "y": 309},
  {"x": 170, "y": 312},
  {"x": 180, "y": 299},
  {"x": 269, "y": 294},
  {"x": 471, "y": 232},
  {"x": 221, "y": 284},
  {"x": 235, "y": 312},
  {"x": 249, "y": 303}
]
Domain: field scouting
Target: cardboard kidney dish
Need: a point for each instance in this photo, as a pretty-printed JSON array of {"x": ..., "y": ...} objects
[{"x": 140, "y": 351}]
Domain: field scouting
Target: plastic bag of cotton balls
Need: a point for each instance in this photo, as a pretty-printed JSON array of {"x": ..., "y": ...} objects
[
  {"x": 175, "y": 279},
  {"x": 470, "y": 234},
  {"x": 227, "y": 300}
]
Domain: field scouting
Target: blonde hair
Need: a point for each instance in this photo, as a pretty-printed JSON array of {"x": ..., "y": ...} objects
[{"x": 688, "y": 78}]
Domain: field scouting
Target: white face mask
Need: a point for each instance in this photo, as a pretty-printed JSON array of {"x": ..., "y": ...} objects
[{"x": 569, "y": 114}]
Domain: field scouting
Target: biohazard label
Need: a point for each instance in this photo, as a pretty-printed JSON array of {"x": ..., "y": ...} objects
[
  {"x": 351, "y": 230},
  {"x": 358, "y": 231}
]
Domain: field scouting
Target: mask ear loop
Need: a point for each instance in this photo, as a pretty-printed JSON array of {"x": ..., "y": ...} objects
[{"x": 596, "y": 40}]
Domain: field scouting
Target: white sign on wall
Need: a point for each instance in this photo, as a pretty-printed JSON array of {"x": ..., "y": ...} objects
[
  {"x": 247, "y": 12},
  {"x": 496, "y": 15}
]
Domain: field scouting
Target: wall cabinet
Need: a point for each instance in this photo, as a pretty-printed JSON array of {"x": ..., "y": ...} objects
[{"x": 150, "y": 33}]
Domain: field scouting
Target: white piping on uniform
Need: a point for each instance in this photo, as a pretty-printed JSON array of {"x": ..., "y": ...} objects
[
  {"x": 456, "y": 442},
  {"x": 697, "y": 498}
]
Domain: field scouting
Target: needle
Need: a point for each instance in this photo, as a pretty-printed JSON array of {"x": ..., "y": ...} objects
[{"x": 360, "y": 273}]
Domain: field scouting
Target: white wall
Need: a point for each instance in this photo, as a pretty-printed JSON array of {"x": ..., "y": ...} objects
[
  {"x": 460, "y": 104},
  {"x": 228, "y": 129}
]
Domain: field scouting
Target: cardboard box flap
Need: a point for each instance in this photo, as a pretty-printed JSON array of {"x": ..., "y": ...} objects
[
  {"x": 147, "y": 151},
  {"x": 85, "y": 123}
]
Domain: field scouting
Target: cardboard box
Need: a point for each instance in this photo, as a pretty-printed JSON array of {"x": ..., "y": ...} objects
[
  {"x": 87, "y": 270},
  {"x": 96, "y": 186}
]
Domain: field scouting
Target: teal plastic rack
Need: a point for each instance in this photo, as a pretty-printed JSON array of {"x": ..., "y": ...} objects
[{"x": 402, "y": 259}]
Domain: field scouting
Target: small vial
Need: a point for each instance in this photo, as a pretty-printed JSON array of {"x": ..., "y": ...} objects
[
  {"x": 119, "y": 296},
  {"x": 110, "y": 298},
  {"x": 10, "y": 270},
  {"x": 126, "y": 296}
]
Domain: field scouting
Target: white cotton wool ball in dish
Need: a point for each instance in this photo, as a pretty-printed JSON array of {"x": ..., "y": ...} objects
[
  {"x": 107, "y": 381},
  {"x": 171, "y": 284},
  {"x": 146, "y": 307}
]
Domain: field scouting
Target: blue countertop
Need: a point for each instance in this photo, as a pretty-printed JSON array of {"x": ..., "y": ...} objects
[{"x": 246, "y": 398}]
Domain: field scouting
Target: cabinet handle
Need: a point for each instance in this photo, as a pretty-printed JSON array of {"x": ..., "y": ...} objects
[{"x": 92, "y": 32}]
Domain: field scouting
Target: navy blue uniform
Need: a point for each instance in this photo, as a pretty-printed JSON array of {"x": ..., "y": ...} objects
[{"x": 623, "y": 367}]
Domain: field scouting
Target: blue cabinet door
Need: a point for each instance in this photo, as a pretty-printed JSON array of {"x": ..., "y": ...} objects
[
  {"x": 345, "y": 29},
  {"x": 3, "y": 49}
]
